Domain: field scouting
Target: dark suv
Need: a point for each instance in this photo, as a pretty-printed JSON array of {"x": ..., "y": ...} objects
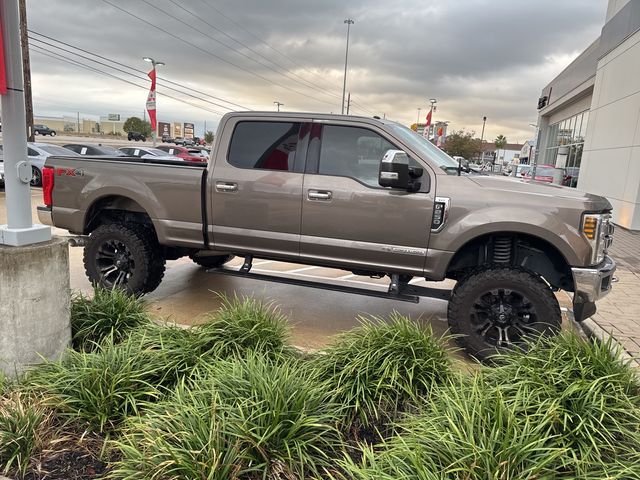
[
  {"x": 43, "y": 130},
  {"x": 137, "y": 136}
]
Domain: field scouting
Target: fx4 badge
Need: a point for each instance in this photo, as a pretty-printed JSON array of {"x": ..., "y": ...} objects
[{"x": 69, "y": 172}]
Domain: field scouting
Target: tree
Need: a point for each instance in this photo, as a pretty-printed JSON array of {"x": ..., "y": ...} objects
[
  {"x": 500, "y": 142},
  {"x": 136, "y": 124},
  {"x": 208, "y": 137},
  {"x": 462, "y": 144}
]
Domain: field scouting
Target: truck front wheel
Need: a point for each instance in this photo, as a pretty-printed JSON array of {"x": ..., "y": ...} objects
[
  {"x": 499, "y": 308},
  {"x": 125, "y": 256}
]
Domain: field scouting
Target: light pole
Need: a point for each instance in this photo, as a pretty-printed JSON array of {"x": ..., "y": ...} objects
[
  {"x": 278, "y": 105},
  {"x": 418, "y": 120},
  {"x": 151, "y": 99},
  {"x": 433, "y": 103},
  {"x": 484, "y": 121},
  {"x": 349, "y": 22}
]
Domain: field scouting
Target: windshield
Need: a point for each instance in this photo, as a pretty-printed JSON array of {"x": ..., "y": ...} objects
[
  {"x": 424, "y": 147},
  {"x": 544, "y": 172},
  {"x": 55, "y": 150}
]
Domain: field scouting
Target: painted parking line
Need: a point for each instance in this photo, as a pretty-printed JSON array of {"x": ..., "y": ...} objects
[{"x": 303, "y": 269}]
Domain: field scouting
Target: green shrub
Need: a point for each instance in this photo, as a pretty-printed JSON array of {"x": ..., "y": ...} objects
[
  {"x": 180, "y": 437},
  {"x": 468, "y": 431},
  {"x": 596, "y": 398},
  {"x": 110, "y": 313},
  {"x": 24, "y": 427},
  {"x": 245, "y": 324},
  {"x": 101, "y": 387},
  {"x": 383, "y": 366},
  {"x": 255, "y": 415}
]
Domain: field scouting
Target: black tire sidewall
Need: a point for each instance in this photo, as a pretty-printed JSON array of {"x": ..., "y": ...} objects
[
  {"x": 468, "y": 290},
  {"x": 137, "y": 242},
  {"x": 211, "y": 261}
]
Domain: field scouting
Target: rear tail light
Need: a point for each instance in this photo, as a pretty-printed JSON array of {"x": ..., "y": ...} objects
[{"x": 47, "y": 186}]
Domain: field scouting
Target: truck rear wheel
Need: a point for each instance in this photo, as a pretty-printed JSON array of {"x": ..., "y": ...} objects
[
  {"x": 500, "y": 308},
  {"x": 125, "y": 256},
  {"x": 211, "y": 261}
]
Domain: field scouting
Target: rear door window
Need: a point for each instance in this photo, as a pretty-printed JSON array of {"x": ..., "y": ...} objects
[{"x": 265, "y": 145}]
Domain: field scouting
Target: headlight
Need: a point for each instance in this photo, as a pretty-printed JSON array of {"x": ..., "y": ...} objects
[{"x": 598, "y": 230}]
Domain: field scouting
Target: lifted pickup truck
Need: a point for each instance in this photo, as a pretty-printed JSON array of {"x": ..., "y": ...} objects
[{"x": 361, "y": 194}]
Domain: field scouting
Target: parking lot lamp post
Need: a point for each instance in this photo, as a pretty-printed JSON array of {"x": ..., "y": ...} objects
[
  {"x": 151, "y": 101},
  {"x": 418, "y": 120},
  {"x": 484, "y": 121},
  {"x": 278, "y": 105},
  {"x": 349, "y": 22}
]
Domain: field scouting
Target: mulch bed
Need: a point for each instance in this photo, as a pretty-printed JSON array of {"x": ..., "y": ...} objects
[{"x": 69, "y": 465}]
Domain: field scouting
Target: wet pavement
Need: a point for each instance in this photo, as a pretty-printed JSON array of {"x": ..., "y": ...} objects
[{"x": 188, "y": 293}]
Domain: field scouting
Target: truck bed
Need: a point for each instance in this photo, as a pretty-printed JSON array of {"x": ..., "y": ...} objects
[{"x": 168, "y": 191}]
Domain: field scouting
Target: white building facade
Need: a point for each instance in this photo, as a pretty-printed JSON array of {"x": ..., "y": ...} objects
[{"x": 589, "y": 115}]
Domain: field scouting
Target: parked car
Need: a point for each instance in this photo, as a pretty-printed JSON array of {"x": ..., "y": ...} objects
[
  {"x": 94, "y": 149},
  {"x": 38, "y": 153},
  {"x": 167, "y": 139},
  {"x": 43, "y": 130},
  {"x": 189, "y": 154},
  {"x": 368, "y": 196},
  {"x": 183, "y": 141},
  {"x": 571, "y": 177},
  {"x": 522, "y": 170},
  {"x": 544, "y": 173},
  {"x": 137, "y": 136},
  {"x": 148, "y": 152}
]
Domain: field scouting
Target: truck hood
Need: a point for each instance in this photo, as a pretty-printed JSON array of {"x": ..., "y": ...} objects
[{"x": 545, "y": 192}]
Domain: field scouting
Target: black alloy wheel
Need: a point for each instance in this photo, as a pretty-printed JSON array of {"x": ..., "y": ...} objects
[
  {"x": 503, "y": 317},
  {"x": 501, "y": 308},
  {"x": 115, "y": 263},
  {"x": 36, "y": 177}
]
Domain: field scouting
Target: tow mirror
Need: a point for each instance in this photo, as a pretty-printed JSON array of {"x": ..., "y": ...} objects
[{"x": 395, "y": 172}]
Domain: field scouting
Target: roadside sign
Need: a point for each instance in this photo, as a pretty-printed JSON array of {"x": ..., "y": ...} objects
[{"x": 113, "y": 117}]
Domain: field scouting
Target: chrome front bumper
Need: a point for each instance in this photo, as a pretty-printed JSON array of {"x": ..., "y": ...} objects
[{"x": 593, "y": 283}]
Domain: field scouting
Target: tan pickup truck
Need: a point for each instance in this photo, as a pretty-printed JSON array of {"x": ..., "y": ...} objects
[{"x": 361, "y": 194}]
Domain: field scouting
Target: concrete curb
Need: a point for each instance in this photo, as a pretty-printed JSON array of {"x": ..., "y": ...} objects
[{"x": 593, "y": 330}]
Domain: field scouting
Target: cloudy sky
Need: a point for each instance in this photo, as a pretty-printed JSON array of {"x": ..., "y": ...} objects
[{"x": 476, "y": 57}]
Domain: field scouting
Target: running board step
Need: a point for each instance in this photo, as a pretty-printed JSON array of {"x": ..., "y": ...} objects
[{"x": 408, "y": 293}]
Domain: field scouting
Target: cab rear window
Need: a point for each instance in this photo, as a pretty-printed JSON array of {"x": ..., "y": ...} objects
[{"x": 264, "y": 145}]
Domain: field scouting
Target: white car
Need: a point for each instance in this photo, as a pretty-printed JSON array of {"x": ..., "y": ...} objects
[
  {"x": 38, "y": 154},
  {"x": 148, "y": 152}
]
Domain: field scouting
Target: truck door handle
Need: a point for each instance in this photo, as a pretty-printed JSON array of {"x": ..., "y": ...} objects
[
  {"x": 226, "y": 186},
  {"x": 319, "y": 195}
]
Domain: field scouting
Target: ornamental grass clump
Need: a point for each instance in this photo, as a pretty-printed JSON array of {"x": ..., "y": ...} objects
[
  {"x": 25, "y": 427},
  {"x": 100, "y": 388},
  {"x": 253, "y": 417},
  {"x": 467, "y": 430},
  {"x": 109, "y": 314},
  {"x": 383, "y": 367},
  {"x": 594, "y": 400},
  {"x": 244, "y": 324}
]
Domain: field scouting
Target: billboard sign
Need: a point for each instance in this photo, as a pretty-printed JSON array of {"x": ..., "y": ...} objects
[
  {"x": 113, "y": 117},
  {"x": 164, "y": 129},
  {"x": 188, "y": 130},
  {"x": 177, "y": 130}
]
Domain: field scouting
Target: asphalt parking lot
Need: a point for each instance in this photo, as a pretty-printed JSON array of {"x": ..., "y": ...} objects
[{"x": 188, "y": 293}]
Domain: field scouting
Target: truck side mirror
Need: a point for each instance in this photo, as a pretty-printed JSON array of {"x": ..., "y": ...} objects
[{"x": 395, "y": 172}]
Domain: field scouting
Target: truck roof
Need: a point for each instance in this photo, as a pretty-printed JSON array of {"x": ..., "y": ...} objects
[{"x": 314, "y": 115}]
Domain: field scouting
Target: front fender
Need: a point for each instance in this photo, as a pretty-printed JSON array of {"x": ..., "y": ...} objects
[{"x": 465, "y": 225}]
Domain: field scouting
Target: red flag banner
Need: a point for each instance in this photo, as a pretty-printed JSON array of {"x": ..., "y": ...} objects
[
  {"x": 151, "y": 100},
  {"x": 3, "y": 72},
  {"x": 429, "y": 118}
]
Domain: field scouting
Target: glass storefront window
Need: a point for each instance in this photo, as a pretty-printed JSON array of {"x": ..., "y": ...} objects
[{"x": 567, "y": 136}]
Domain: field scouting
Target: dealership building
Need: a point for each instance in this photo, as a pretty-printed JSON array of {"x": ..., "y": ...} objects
[{"x": 589, "y": 115}]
